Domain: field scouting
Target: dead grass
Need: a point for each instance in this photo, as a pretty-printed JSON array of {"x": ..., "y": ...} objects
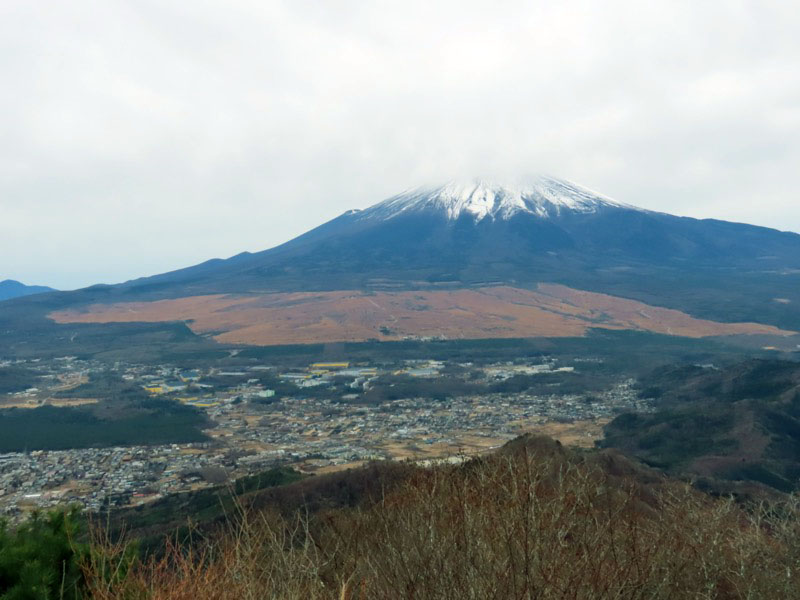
[
  {"x": 65, "y": 402},
  {"x": 496, "y": 312},
  {"x": 528, "y": 522}
]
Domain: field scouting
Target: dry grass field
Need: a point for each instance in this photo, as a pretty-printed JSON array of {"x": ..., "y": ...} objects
[
  {"x": 36, "y": 402},
  {"x": 532, "y": 520},
  {"x": 493, "y": 312},
  {"x": 67, "y": 402}
]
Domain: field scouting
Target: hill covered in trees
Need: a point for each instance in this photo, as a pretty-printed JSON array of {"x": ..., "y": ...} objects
[
  {"x": 740, "y": 424},
  {"x": 123, "y": 415}
]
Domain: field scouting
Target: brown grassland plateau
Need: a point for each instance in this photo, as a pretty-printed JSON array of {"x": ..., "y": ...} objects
[{"x": 348, "y": 315}]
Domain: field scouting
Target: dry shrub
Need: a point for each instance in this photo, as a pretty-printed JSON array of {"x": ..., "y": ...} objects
[
  {"x": 257, "y": 556},
  {"x": 527, "y": 524}
]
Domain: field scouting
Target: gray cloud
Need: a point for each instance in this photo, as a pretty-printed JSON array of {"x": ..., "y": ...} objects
[{"x": 137, "y": 137}]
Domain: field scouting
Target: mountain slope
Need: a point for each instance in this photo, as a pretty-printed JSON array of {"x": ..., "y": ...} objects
[
  {"x": 464, "y": 238},
  {"x": 348, "y": 315},
  {"x": 531, "y": 516},
  {"x": 477, "y": 233},
  {"x": 14, "y": 289},
  {"x": 740, "y": 423}
]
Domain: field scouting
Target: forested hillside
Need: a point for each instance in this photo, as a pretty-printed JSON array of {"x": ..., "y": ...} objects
[{"x": 741, "y": 423}]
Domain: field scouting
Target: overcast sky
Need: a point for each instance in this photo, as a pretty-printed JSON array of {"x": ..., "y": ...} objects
[{"x": 142, "y": 136}]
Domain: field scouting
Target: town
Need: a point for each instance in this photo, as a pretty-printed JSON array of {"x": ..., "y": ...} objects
[{"x": 315, "y": 418}]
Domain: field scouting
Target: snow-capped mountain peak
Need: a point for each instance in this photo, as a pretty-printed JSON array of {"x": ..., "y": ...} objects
[{"x": 481, "y": 198}]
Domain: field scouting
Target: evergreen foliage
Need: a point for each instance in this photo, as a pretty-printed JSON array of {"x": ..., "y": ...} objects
[{"x": 41, "y": 560}]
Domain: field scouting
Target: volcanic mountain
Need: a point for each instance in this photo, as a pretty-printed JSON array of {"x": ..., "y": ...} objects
[
  {"x": 477, "y": 259},
  {"x": 482, "y": 233}
]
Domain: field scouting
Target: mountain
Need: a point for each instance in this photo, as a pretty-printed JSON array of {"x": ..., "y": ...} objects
[
  {"x": 740, "y": 423},
  {"x": 477, "y": 232},
  {"x": 14, "y": 289},
  {"x": 477, "y": 259}
]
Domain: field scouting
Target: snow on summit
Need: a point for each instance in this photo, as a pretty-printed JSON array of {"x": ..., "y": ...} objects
[{"x": 543, "y": 196}]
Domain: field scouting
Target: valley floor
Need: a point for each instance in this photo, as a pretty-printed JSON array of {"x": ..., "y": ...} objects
[{"x": 315, "y": 429}]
